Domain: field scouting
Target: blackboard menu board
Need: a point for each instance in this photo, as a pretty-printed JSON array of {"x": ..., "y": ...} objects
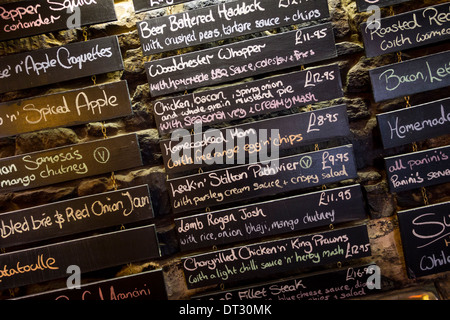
[
  {"x": 69, "y": 108},
  {"x": 418, "y": 169},
  {"x": 418, "y": 123},
  {"x": 409, "y": 77},
  {"x": 225, "y": 20},
  {"x": 143, "y": 286},
  {"x": 253, "y": 221},
  {"x": 91, "y": 253},
  {"x": 363, "y": 5},
  {"x": 235, "y": 145},
  {"x": 267, "y": 258},
  {"x": 69, "y": 163},
  {"x": 425, "y": 236},
  {"x": 262, "y": 179},
  {"x": 337, "y": 285},
  {"x": 75, "y": 216},
  {"x": 250, "y": 99},
  {"x": 68, "y": 62},
  {"x": 144, "y": 5},
  {"x": 241, "y": 59},
  {"x": 408, "y": 30},
  {"x": 32, "y": 17}
]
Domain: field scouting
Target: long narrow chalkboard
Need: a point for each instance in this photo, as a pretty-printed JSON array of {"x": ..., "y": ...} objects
[
  {"x": 143, "y": 286},
  {"x": 69, "y": 108},
  {"x": 267, "y": 258},
  {"x": 418, "y": 123},
  {"x": 145, "y": 5},
  {"x": 225, "y": 20},
  {"x": 69, "y": 163},
  {"x": 254, "y": 141},
  {"x": 241, "y": 59},
  {"x": 32, "y": 17},
  {"x": 262, "y": 179},
  {"x": 425, "y": 234},
  {"x": 336, "y": 285},
  {"x": 409, "y": 77},
  {"x": 89, "y": 254},
  {"x": 68, "y": 62},
  {"x": 408, "y": 30},
  {"x": 363, "y": 5},
  {"x": 280, "y": 216},
  {"x": 75, "y": 216},
  {"x": 250, "y": 99},
  {"x": 418, "y": 169}
]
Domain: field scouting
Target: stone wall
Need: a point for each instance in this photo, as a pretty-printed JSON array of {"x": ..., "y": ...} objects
[{"x": 382, "y": 206}]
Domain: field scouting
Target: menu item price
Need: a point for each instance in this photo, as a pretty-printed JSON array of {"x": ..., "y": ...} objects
[
  {"x": 425, "y": 236},
  {"x": 271, "y": 218},
  {"x": 225, "y": 20},
  {"x": 261, "y": 259},
  {"x": 144, "y": 5}
]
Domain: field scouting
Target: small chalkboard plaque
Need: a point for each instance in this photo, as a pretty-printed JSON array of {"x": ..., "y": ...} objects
[
  {"x": 250, "y": 99},
  {"x": 408, "y": 30},
  {"x": 317, "y": 209},
  {"x": 363, "y": 5},
  {"x": 346, "y": 283},
  {"x": 242, "y": 59},
  {"x": 261, "y": 259},
  {"x": 68, "y": 62},
  {"x": 225, "y": 20},
  {"x": 69, "y": 163},
  {"x": 410, "y": 77},
  {"x": 74, "y": 216},
  {"x": 425, "y": 234},
  {"x": 32, "y": 17},
  {"x": 69, "y": 108},
  {"x": 252, "y": 142},
  {"x": 143, "y": 286},
  {"x": 262, "y": 179},
  {"x": 418, "y": 169},
  {"x": 50, "y": 262},
  {"x": 418, "y": 123},
  {"x": 145, "y": 5}
]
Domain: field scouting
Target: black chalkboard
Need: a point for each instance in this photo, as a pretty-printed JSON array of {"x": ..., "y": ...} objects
[
  {"x": 67, "y": 108},
  {"x": 48, "y": 66},
  {"x": 262, "y": 179},
  {"x": 364, "y": 4},
  {"x": 280, "y": 216},
  {"x": 32, "y": 17},
  {"x": 408, "y": 30},
  {"x": 336, "y": 285},
  {"x": 418, "y": 123},
  {"x": 75, "y": 216},
  {"x": 250, "y": 99},
  {"x": 254, "y": 141},
  {"x": 91, "y": 253},
  {"x": 267, "y": 258},
  {"x": 69, "y": 163},
  {"x": 418, "y": 169},
  {"x": 241, "y": 59},
  {"x": 145, "y": 5},
  {"x": 225, "y": 20},
  {"x": 410, "y": 77},
  {"x": 425, "y": 234},
  {"x": 143, "y": 286}
]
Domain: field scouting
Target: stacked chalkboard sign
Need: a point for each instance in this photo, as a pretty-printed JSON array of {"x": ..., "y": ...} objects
[
  {"x": 251, "y": 177},
  {"x": 423, "y": 230},
  {"x": 56, "y": 236}
]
